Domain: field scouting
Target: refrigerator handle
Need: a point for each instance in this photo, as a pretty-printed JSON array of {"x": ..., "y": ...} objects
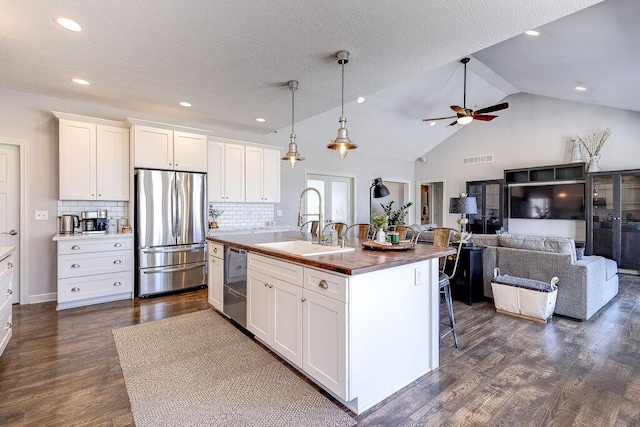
[{"x": 175, "y": 207}]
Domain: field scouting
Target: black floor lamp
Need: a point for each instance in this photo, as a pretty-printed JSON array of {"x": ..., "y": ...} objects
[{"x": 376, "y": 191}]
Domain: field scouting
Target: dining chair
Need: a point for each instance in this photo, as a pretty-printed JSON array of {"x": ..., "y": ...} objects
[
  {"x": 442, "y": 238},
  {"x": 402, "y": 231},
  {"x": 361, "y": 231},
  {"x": 340, "y": 227}
]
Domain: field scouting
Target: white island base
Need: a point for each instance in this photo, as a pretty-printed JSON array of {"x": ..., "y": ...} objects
[{"x": 361, "y": 337}]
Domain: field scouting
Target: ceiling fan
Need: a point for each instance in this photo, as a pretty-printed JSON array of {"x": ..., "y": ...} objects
[{"x": 466, "y": 115}]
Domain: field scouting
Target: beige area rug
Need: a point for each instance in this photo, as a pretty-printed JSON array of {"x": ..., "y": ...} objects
[{"x": 199, "y": 370}]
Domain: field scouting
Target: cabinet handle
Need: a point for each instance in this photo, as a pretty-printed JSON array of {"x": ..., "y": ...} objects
[
  {"x": 9, "y": 292},
  {"x": 75, "y": 289},
  {"x": 75, "y": 265},
  {"x": 9, "y": 264},
  {"x": 323, "y": 284},
  {"x": 117, "y": 261},
  {"x": 303, "y": 299},
  {"x": 117, "y": 284},
  {"x": 215, "y": 250},
  {"x": 92, "y": 194},
  {"x": 8, "y": 325},
  {"x": 266, "y": 284},
  {"x": 117, "y": 245},
  {"x": 75, "y": 247},
  {"x": 99, "y": 195},
  {"x": 270, "y": 286}
]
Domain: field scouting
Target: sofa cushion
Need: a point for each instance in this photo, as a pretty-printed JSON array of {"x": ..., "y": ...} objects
[
  {"x": 559, "y": 245},
  {"x": 485, "y": 239}
]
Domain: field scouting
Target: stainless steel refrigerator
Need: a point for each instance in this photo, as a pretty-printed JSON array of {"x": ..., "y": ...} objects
[{"x": 170, "y": 231}]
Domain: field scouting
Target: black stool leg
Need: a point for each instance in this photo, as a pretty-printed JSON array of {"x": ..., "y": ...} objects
[{"x": 449, "y": 302}]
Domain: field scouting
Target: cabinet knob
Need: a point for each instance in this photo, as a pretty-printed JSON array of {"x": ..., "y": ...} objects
[
  {"x": 303, "y": 299},
  {"x": 75, "y": 289},
  {"x": 8, "y": 325},
  {"x": 266, "y": 284},
  {"x": 9, "y": 292},
  {"x": 215, "y": 250},
  {"x": 75, "y": 247},
  {"x": 270, "y": 286},
  {"x": 117, "y": 261},
  {"x": 323, "y": 284},
  {"x": 92, "y": 194},
  {"x": 117, "y": 284},
  {"x": 75, "y": 265},
  {"x": 9, "y": 264},
  {"x": 117, "y": 245},
  {"x": 99, "y": 195}
]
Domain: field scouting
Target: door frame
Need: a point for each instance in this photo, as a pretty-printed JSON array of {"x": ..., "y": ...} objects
[
  {"x": 23, "y": 227},
  {"x": 445, "y": 204}
]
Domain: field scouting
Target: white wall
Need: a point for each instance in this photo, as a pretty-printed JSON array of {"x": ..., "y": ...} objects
[
  {"x": 534, "y": 131},
  {"x": 28, "y": 116}
]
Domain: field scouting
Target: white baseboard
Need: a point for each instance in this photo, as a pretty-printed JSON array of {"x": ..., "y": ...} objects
[{"x": 36, "y": 299}]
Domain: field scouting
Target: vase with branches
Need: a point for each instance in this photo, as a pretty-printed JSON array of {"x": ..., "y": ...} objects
[
  {"x": 396, "y": 217},
  {"x": 592, "y": 141}
]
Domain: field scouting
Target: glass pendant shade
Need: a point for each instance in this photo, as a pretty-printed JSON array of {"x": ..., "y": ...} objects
[
  {"x": 292, "y": 155},
  {"x": 342, "y": 143}
]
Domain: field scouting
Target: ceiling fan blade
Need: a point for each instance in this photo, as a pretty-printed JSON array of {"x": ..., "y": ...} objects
[
  {"x": 455, "y": 122},
  {"x": 493, "y": 108},
  {"x": 438, "y": 118},
  {"x": 459, "y": 110},
  {"x": 484, "y": 117}
]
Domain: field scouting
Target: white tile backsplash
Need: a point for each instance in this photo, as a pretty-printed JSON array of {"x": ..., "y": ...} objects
[
  {"x": 114, "y": 209},
  {"x": 244, "y": 215}
]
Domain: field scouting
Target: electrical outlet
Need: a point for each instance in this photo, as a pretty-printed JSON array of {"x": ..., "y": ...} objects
[
  {"x": 417, "y": 276},
  {"x": 42, "y": 215},
  {"x": 279, "y": 212}
]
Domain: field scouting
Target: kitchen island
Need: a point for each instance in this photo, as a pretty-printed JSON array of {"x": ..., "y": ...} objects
[{"x": 361, "y": 324}]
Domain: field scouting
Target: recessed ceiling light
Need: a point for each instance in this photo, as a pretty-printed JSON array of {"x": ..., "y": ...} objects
[
  {"x": 580, "y": 88},
  {"x": 69, "y": 24},
  {"x": 185, "y": 104},
  {"x": 80, "y": 82},
  {"x": 261, "y": 120},
  {"x": 432, "y": 124},
  {"x": 532, "y": 33},
  {"x": 360, "y": 99}
]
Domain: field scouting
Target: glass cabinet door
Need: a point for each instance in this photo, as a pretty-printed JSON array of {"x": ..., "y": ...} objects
[
  {"x": 476, "y": 222},
  {"x": 630, "y": 222},
  {"x": 492, "y": 211},
  {"x": 490, "y": 200},
  {"x": 602, "y": 216}
]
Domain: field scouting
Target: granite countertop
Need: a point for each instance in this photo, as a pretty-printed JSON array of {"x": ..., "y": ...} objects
[
  {"x": 90, "y": 236},
  {"x": 6, "y": 250},
  {"x": 351, "y": 263}
]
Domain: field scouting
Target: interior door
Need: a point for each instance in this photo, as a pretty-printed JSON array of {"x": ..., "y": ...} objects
[
  {"x": 10, "y": 207},
  {"x": 337, "y": 197}
]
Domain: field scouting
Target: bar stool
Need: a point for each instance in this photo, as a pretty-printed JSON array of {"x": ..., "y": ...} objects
[{"x": 442, "y": 237}]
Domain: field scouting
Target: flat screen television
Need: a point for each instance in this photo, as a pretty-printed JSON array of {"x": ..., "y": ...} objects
[{"x": 553, "y": 201}]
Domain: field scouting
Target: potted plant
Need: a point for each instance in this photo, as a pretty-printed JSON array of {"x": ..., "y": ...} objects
[
  {"x": 380, "y": 224},
  {"x": 213, "y": 215},
  {"x": 396, "y": 217}
]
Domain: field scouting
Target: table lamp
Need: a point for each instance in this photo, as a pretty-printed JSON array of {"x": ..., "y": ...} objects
[{"x": 463, "y": 205}]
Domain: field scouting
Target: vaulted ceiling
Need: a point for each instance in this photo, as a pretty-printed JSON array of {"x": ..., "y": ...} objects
[{"x": 231, "y": 59}]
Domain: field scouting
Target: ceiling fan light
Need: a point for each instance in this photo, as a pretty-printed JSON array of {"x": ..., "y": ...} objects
[{"x": 464, "y": 120}]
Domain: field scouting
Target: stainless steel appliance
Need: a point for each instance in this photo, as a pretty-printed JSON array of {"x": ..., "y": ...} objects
[
  {"x": 234, "y": 299},
  {"x": 170, "y": 231},
  {"x": 101, "y": 222},
  {"x": 68, "y": 224},
  {"x": 89, "y": 221}
]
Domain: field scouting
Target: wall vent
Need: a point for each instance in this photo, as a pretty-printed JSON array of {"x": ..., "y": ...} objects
[{"x": 484, "y": 158}]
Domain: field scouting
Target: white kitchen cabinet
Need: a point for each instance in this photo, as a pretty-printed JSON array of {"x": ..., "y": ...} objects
[
  {"x": 93, "y": 159},
  {"x": 6, "y": 291},
  {"x": 226, "y": 172},
  {"x": 94, "y": 269},
  {"x": 159, "y": 148},
  {"x": 216, "y": 275},
  {"x": 263, "y": 175}
]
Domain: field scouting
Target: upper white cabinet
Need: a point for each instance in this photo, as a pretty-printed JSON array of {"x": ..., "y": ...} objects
[
  {"x": 263, "y": 175},
  {"x": 159, "y": 148},
  {"x": 226, "y": 172},
  {"x": 93, "y": 158}
]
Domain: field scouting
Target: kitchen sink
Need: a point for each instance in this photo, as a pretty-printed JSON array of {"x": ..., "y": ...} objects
[{"x": 304, "y": 248}]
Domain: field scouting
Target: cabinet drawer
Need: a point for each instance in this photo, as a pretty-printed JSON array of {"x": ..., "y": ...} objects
[
  {"x": 285, "y": 271},
  {"x": 216, "y": 250},
  {"x": 6, "y": 327},
  {"x": 6, "y": 266},
  {"x": 327, "y": 284},
  {"x": 94, "y": 245},
  {"x": 94, "y": 263},
  {"x": 5, "y": 289},
  {"x": 81, "y": 288}
]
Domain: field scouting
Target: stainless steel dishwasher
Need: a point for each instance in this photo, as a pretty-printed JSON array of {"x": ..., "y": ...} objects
[{"x": 234, "y": 300}]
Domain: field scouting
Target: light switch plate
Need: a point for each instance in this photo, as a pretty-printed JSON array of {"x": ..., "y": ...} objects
[
  {"x": 418, "y": 276},
  {"x": 42, "y": 215},
  {"x": 279, "y": 212}
]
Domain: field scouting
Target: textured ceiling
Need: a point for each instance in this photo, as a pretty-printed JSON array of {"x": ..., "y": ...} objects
[{"x": 231, "y": 59}]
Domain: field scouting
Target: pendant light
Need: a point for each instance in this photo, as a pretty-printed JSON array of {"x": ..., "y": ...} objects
[
  {"x": 342, "y": 143},
  {"x": 293, "y": 156}
]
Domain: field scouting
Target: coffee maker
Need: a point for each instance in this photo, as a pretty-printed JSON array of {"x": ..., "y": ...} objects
[
  {"x": 101, "y": 223},
  {"x": 89, "y": 221}
]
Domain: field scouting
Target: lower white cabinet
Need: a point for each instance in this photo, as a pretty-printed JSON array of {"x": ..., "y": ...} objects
[
  {"x": 216, "y": 275},
  {"x": 94, "y": 269},
  {"x": 6, "y": 291},
  {"x": 305, "y": 327}
]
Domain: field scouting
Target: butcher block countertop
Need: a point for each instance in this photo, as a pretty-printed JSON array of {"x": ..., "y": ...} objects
[{"x": 349, "y": 263}]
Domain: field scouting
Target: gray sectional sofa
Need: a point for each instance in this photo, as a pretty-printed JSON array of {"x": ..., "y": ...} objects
[{"x": 585, "y": 285}]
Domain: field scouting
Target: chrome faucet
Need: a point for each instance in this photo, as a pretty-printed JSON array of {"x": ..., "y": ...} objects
[{"x": 319, "y": 214}]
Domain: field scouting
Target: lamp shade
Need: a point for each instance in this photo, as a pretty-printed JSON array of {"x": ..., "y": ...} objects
[
  {"x": 379, "y": 189},
  {"x": 463, "y": 205}
]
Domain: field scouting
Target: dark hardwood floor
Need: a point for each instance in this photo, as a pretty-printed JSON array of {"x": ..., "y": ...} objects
[{"x": 62, "y": 369}]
